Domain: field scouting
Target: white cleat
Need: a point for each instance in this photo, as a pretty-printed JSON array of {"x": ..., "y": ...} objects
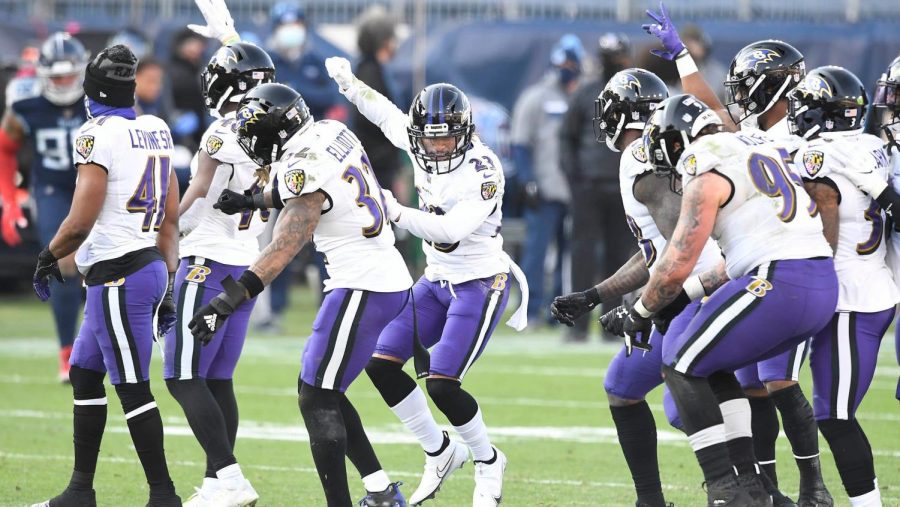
[
  {"x": 438, "y": 469},
  {"x": 489, "y": 482},
  {"x": 218, "y": 494}
]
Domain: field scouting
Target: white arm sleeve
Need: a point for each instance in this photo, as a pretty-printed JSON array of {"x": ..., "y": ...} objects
[
  {"x": 190, "y": 219},
  {"x": 380, "y": 111},
  {"x": 458, "y": 223}
]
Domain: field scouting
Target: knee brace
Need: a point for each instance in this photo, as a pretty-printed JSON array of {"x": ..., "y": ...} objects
[
  {"x": 390, "y": 380},
  {"x": 694, "y": 400},
  {"x": 459, "y": 406},
  {"x": 87, "y": 384},
  {"x": 136, "y": 398}
]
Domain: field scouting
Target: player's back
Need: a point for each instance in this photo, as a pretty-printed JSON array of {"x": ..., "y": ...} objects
[
  {"x": 353, "y": 232},
  {"x": 136, "y": 155},
  {"x": 769, "y": 216},
  {"x": 51, "y": 130},
  {"x": 228, "y": 239},
  {"x": 866, "y": 284}
]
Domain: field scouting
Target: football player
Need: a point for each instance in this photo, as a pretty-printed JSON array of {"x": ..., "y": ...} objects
[
  {"x": 651, "y": 209},
  {"x": 827, "y": 108},
  {"x": 124, "y": 226},
  {"x": 759, "y": 78},
  {"x": 458, "y": 303},
  {"x": 741, "y": 190},
  {"x": 217, "y": 246},
  {"x": 48, "y": 121},
  {"x": 327, "y": 192}
]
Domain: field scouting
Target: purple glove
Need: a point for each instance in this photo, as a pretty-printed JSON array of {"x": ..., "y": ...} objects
[{"x": 666, "y": 32}]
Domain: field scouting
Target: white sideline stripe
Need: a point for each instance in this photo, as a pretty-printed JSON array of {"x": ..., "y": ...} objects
[
  {"x": 329, "y": 379},
  {"x": 311, "y": 470},
  {"x": 396, "y": 434},
  {"x": 140, "y": 410},
  {"x": 95, "y": 401},
  {"x": 118, "y": 330}
]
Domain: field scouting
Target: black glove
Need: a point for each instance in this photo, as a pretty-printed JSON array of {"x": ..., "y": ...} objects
[
  {"x": 166, "y": 313},
  {"x": 47, "y": 266},
  {"x": 231, "y": 202},
  {"x": 211, "y": 317},
  {"x": 567, "y": 308},
  {"x": 637, "y": 332},
  {"x": 664, "y": 317},
  {"x": 613, "y": 321}
]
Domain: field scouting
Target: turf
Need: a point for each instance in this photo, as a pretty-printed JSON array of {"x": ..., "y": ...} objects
[{"x": 543, "y": 402}]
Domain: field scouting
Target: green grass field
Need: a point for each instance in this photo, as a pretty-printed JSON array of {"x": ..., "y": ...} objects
[{"x": 543, "y": 402}]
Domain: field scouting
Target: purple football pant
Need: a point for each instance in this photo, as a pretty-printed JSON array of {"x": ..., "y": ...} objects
[
  {"x": 897, "y": 350},
  {"x": 631, "y": 378},
  {"x": 344, "y": 335},
  {"x": 768, "y": 311},
  {"x": 843, "y": 357},
  {"x": 456, "y": 320},
  {"x": 197, "y": 281},
  {"x": 117, "y": 332},
  {"x": 784, "y": 366}
]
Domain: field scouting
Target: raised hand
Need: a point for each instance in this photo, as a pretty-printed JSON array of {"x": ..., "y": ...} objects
[
  {"x": 665, "y": 31},
  {"x": 219, "y": 23},
  {"x": 339, "y": 69}
]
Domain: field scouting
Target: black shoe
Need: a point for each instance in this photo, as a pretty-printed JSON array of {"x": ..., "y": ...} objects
[
  {"x": 172, "y": 500},
  {"x": 391, "y": 497},
  {"x": 778, "y": 498},
  {"x": 726, "y": 492},
  {"x": 758, "y": 487},
  {"x": 818, "y": 497},
  {"x": 71, "y": 498},
  {"x": 640, "y": 503}
]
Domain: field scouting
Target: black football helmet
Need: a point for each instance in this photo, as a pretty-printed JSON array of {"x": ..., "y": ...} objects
[
  {"x": 677, "y": 122},
  {"x": 760, "y": 75},
  {"x": 887, "y": 101},
  {"x": 829, "y": 99},
  {"x": 233, "y": 71},
  {"x": 440, "y": 111},
  {"x": 626, "y": 102},
  {"x": 61, "y": 56},
  {"x": 268, "y": 116}
]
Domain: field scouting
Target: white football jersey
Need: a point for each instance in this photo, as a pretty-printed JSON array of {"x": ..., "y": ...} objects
[
  {"x": 866, "y": 283},
  {"x": 779, "y": 133},
  {"x": 769, "y": 215},
  {"x": 478, "y": 178},
  {"x": 632, "y": 164},
  {"x": 893, "y": 237},
  {"x": 137, "y": 157},
  {"x": 228, "y": 239},
  {"x": 353, "y": 233}
]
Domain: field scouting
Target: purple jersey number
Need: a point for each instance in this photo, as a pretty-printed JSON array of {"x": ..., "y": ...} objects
[
  {"x": 646, "y": 245},
  {"x": 247, "y": 216},
  {"x": 776, "y": 179},
  {"x": 364, "y": 198},
  {"x": 144, "y": 199},
  {"x": 873, "y": 214}
]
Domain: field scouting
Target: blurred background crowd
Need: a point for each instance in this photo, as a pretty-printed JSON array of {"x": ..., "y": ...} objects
[{"x": 532, "y": 67}]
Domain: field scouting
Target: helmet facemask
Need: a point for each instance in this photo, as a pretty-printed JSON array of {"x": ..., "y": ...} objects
[
  {"x": 61, "y": 82},
  {"x": 440, "y": 148},
  {"x": 752, "y": 95},
  {"x": 887, "y": 102}
]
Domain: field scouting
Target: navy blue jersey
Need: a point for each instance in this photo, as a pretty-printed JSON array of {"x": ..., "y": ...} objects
[{"x": 51, "y": 130}]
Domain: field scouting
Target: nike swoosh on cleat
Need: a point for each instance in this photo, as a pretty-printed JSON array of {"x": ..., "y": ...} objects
[{"x": 498, "y": 499}]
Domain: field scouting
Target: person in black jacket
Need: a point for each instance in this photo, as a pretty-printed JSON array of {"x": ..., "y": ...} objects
[
  {"x": 599, "y": 230},
  {"x": 184, "y": 75},
  {"x": 377, "y": 44}
]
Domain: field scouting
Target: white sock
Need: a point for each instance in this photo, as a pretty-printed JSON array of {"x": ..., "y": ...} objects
[
  {"x": 231, "y": 476},
  {"x": 414, "y": 414},
  {"x": 376, "y": 481},
  {"x": 870, "y": 499},
  {"x": 474, "y": 434}
]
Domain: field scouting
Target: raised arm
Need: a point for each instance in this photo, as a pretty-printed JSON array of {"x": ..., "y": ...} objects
[{"x": 377, "y": 108}]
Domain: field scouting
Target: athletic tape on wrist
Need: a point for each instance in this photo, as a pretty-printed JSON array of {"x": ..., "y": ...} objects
[
  {"x": 694, "y": 287},
  {"x": 642, "y": 310},
  {"x": 685, "y": 64}
]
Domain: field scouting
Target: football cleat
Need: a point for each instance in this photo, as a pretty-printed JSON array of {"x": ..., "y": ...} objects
[
  {"x": 438, "y": 469},
  {"x": 170, "y": 500},
  {"x": 391, "y": 497},
  {"x": 219, "y": 494},
  {"x": 755, "y": 487},
  {"x": 778, "y": 498},
  {"x": 71, "y": 498},
  {"x": 727, "y": 492},
  {"x": 489, "y": 481},
  {"x": 820, "y": 497}
]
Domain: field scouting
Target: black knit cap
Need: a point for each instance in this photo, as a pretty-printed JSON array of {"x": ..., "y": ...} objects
[{"x": 109, "y": 79}]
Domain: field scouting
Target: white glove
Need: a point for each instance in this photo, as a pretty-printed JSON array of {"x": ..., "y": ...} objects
[
  {"x": 392, "y": 207},
  {"x": 339, "y": 70},
  {"x": 219, "y": 23}
]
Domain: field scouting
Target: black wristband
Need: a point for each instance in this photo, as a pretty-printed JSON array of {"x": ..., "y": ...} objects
[
  {"x": 258, "y": 201},
  {"x": 252, "y": 282},
  {"x": 887, "y": 199},
  {"x": 47, "y": 256},
  {"x": 593, "y": 295}
]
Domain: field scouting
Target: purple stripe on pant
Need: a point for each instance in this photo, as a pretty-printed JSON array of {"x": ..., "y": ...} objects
[
  {"x": 117, "y": 332},
  {"x": 197, "y": 281},
  {"x": 631, "y": 378},
  {"x": 457, "y": 321},
  {"x": 843, "y": 356},
  {"x": 756, "y": 316},
  {"x": 344, "y": 335}
]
